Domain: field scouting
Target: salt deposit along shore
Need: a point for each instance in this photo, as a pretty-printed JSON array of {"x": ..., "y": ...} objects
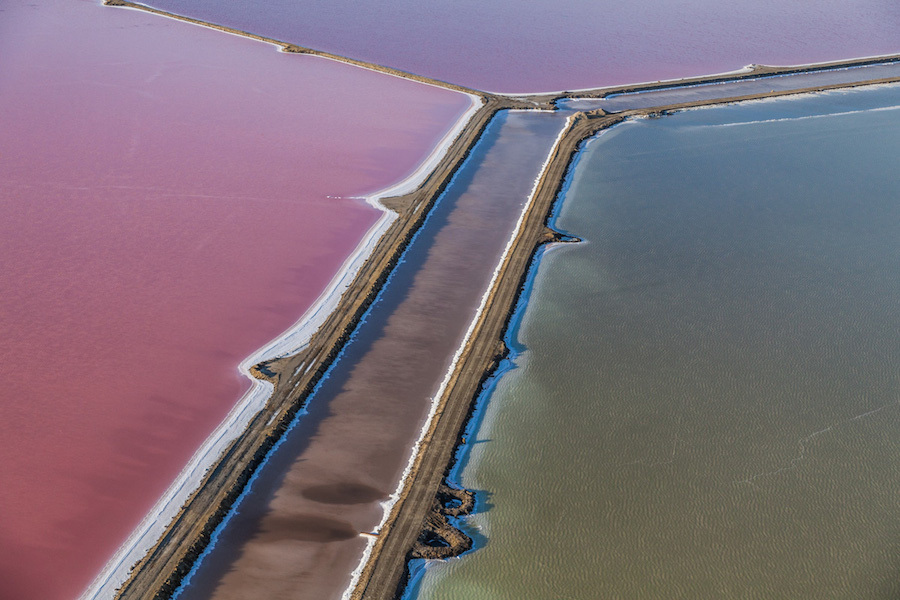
[
  {"x": 293, "y": 377},
  {"x": 427, "y": 441},
  {"x": 588, "y": 481},
  {"x": 299, "y": 529},
  {"x": 292, "y": 341},
  {"x": 167, "y": 213}
]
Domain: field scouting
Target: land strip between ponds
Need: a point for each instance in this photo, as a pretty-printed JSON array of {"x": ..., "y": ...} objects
[
  {"x": 751, "y": 72},
  {"x": 297, "y": 49},
  {"x": 385, "y": 574},
  {"x": 317, "y": 504},
  {"x": 295, "y": 377},
  {"x": 536, "y": 100}
]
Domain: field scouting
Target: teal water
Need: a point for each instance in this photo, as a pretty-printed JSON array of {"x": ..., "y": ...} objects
[{"x": 704, "y": 401}]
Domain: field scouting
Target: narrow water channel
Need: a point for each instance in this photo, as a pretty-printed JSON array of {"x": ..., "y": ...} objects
[{"x": 297, "y": 534}]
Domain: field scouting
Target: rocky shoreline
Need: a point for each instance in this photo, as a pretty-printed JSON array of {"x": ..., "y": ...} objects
[{"x": 440, "y": 539}]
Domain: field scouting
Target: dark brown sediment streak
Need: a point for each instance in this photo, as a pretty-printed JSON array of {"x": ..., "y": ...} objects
[
  {"x": 384, "y": 575},
  {"x": 160, "y": 572},
  {"x": 386, "y": 568}
]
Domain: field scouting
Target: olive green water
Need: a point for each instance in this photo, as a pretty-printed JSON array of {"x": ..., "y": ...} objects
[{"x": 705, "y": 399}]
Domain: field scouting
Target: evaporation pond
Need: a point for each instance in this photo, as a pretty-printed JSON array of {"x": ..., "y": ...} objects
[
  {"x": 173, "y": 198},
  {"x": 537, "y": 46},
  {"x": 705, "y": 404}
]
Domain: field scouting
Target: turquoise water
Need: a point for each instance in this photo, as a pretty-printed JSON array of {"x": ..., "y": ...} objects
[{"x": 704, "y": 402}]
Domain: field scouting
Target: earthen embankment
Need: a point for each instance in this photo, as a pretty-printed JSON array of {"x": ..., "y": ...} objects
[
  {"x": 160, "y": 572},
  {"x": 385, "y": 573}
]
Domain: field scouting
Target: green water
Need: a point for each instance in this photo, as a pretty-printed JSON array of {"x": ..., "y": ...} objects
[{"x": 705, "y": 399}]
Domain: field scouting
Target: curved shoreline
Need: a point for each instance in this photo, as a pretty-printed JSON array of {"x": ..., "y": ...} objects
[{"x": 385, "y": 574}]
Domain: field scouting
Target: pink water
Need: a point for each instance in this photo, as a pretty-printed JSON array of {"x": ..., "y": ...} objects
[
  {"x": 169, "y": 201},
  {"x": 538, "y": 45}
]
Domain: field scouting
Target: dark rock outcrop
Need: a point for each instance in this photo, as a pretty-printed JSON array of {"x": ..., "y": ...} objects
[{"x": 440, "y": 539}]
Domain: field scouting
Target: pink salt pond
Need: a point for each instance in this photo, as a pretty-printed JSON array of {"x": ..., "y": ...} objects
[
  {"x": 172, "y": 199},
  {"x": 524, "y": 46}
]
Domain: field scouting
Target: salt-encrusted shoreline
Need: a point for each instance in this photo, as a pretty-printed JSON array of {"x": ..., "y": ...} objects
[
  {"x": 292, "y": 340},
  {"x": 299, "y": 334},
  {"x": 189, "y": 532},
  {"x": 478, "y": 355}
]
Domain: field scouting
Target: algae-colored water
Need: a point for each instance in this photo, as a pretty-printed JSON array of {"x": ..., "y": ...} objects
[{"x": 704, "y": 403}]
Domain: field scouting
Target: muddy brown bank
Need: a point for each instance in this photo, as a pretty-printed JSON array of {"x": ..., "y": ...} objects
[{"x": 297, "y": 531}]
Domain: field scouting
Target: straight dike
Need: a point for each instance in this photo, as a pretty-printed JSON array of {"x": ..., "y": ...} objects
[{"x": 164, "y": 567}]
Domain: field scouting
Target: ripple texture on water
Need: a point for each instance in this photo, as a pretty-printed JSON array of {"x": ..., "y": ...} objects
[{"x": 706, "y": 405}]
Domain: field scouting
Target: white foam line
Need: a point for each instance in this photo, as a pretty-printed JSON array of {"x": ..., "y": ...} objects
[
  {"x": 388, "y": 504},
  {"x": 154, "y": 523},
  {"x": 832, "y": 63},
  {"x": 279, "y": 45},
  {"x": 294, "y": 339},
  {"x": 297, "y": 337},
  {"x": 446, "y": 86},
  {"x": 417, "y": 177},
  {"x": 742, "y": 70},
  {"x": 573, "y": 102},
  {"x": 790, "y": 96},
  {"x": 826, "y": 65},
  {"x": 801, "y": 118}
]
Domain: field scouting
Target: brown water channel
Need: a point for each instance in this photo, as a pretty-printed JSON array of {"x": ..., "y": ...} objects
[{"x": 296, "y": 534}]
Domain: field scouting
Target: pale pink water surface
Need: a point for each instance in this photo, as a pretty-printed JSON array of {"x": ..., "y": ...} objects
[
  {"x": 171, "y": 201},
  {"x": 540, "y": 45}
]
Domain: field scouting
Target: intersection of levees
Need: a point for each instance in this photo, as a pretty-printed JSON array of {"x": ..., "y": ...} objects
[{"x": 197, "y": 192}]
